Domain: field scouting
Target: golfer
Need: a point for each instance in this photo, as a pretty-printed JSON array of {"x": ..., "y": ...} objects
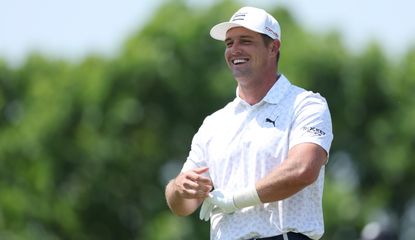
[{"x": 256, "y": 166}]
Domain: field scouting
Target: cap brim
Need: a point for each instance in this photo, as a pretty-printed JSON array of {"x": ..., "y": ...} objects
[{"x": 218, "y": 31}]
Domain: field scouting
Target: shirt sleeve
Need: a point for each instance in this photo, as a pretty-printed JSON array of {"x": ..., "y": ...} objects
[
  {"x": 196, "y": 157},
  {"x": 312, "y": 122}
]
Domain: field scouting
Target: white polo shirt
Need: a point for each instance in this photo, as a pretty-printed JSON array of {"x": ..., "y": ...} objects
[{"x": 241, "y": 143}]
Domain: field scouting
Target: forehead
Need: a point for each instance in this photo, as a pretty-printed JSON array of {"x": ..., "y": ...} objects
[{"x": 238, "y": 32}]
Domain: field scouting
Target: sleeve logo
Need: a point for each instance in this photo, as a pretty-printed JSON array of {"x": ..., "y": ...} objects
[{"x": 313, "y": 131}]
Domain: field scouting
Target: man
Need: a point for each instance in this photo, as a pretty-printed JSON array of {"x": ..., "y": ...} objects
[{"x": 257, "y": 165}]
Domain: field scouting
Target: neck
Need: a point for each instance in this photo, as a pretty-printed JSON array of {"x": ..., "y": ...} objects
[{"x": 255, "y": 92}]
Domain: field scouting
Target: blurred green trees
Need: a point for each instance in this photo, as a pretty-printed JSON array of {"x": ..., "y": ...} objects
[{"x": 86, "y": 149}]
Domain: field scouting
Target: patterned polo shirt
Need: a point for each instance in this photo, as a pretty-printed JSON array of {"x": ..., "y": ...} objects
[{"x": 242, "y": 143}]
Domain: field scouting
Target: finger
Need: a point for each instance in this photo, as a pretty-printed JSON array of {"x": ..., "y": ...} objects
[
  {"x": 204, "y": 180},
  {"x": 206, "y": 209},
  {"x": 194, "y": 176},
  {"x": 202, "y": 193},
  {"x": 189, "y": 184},
  {"x": 201, "y": 187},
  {"x": 192, "y": 193},
  {"x": 209, "y": 212},
  {"x": 203, "y": 209},
  {"x": 207, "y": 188},
  {"x": 201, "y": 170}
]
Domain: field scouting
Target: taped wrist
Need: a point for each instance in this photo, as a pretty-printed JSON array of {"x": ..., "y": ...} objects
[{"x": 246, "y": 197}]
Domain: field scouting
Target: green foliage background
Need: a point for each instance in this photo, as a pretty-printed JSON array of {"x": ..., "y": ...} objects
[{"x": 87, "y": 148}]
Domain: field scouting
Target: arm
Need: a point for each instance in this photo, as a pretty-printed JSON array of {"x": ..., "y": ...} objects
[
  {"x": 300, "y": 169},
  {"x": 186, "y": 192}
]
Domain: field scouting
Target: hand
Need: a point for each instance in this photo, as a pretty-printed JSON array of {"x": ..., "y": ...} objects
[
  {"x": 225, "y": 201},
  {"x": 192, "y": 184},
  {"x": 206, "y": 209},
  {"x": 216, "y": 198},
  {"x": 229, "y": 202}
]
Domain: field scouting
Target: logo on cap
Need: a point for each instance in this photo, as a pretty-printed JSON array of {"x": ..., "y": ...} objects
[
  {"x": 239, "y": 17},
  {"x": 271, "y": 31}
]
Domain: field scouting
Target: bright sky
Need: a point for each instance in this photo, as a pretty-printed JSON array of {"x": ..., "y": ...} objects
[{"x": 75, "y": 28}]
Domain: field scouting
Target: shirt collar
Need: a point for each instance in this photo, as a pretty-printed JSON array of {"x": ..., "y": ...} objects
[
  {"x": 278, "y": 91},
  {"x": 274, "y": 95}
]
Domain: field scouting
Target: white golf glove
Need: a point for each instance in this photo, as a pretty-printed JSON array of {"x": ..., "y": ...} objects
[
  {"x": 206, "y": 209},
  {"x": 229, "y": 202}
]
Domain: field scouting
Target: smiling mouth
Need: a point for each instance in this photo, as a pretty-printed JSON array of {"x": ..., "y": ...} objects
[{"x": 239, "y": 61}]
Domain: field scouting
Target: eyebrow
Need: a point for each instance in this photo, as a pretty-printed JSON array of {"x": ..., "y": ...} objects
[{"x": 240, "y": 37}]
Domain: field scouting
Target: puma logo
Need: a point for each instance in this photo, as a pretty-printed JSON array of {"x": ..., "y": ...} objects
[{"x": 270, "y": 121}]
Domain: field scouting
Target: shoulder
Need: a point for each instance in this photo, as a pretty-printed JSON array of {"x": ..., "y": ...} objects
[
  {"x": 295, "y": 95},
  {"x": 305, "y": 98},
  {"x": 218, "y": 116}
]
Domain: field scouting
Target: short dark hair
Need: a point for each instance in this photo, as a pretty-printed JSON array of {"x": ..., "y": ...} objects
[{"x": 268, "y": 40}]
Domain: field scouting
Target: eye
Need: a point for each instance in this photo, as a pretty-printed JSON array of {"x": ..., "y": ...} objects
[
  {"x": 228, "y": 44},
  {"x": 245, "y": 41}
]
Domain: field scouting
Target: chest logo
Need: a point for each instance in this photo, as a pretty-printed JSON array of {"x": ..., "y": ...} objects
[{"x": 268, "y": 120}]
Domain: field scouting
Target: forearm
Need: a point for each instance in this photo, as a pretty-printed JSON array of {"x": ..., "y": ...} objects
[
  {"x": 280, "y": 184},
  {"x": 300, "y": 169},
  {"x": 179, "y": 205}
]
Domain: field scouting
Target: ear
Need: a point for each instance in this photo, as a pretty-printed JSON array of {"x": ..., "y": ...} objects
[{"x": 276, "y": 46}]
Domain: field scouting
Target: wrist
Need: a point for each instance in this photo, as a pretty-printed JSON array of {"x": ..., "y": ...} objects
[{"x": 246, "y": 197}]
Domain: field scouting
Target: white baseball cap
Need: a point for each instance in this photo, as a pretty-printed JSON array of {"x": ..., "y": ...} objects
[{"x": 255, "y": 19}]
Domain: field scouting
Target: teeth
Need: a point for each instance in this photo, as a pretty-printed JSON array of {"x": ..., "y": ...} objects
[{"x": 238, "y": 61}]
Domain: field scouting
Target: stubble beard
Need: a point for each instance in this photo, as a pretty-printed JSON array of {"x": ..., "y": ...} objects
[{"x": 243, "y": 76}]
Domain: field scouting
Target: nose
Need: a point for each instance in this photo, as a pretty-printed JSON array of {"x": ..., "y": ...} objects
[{"x": 235, "y": 49}]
